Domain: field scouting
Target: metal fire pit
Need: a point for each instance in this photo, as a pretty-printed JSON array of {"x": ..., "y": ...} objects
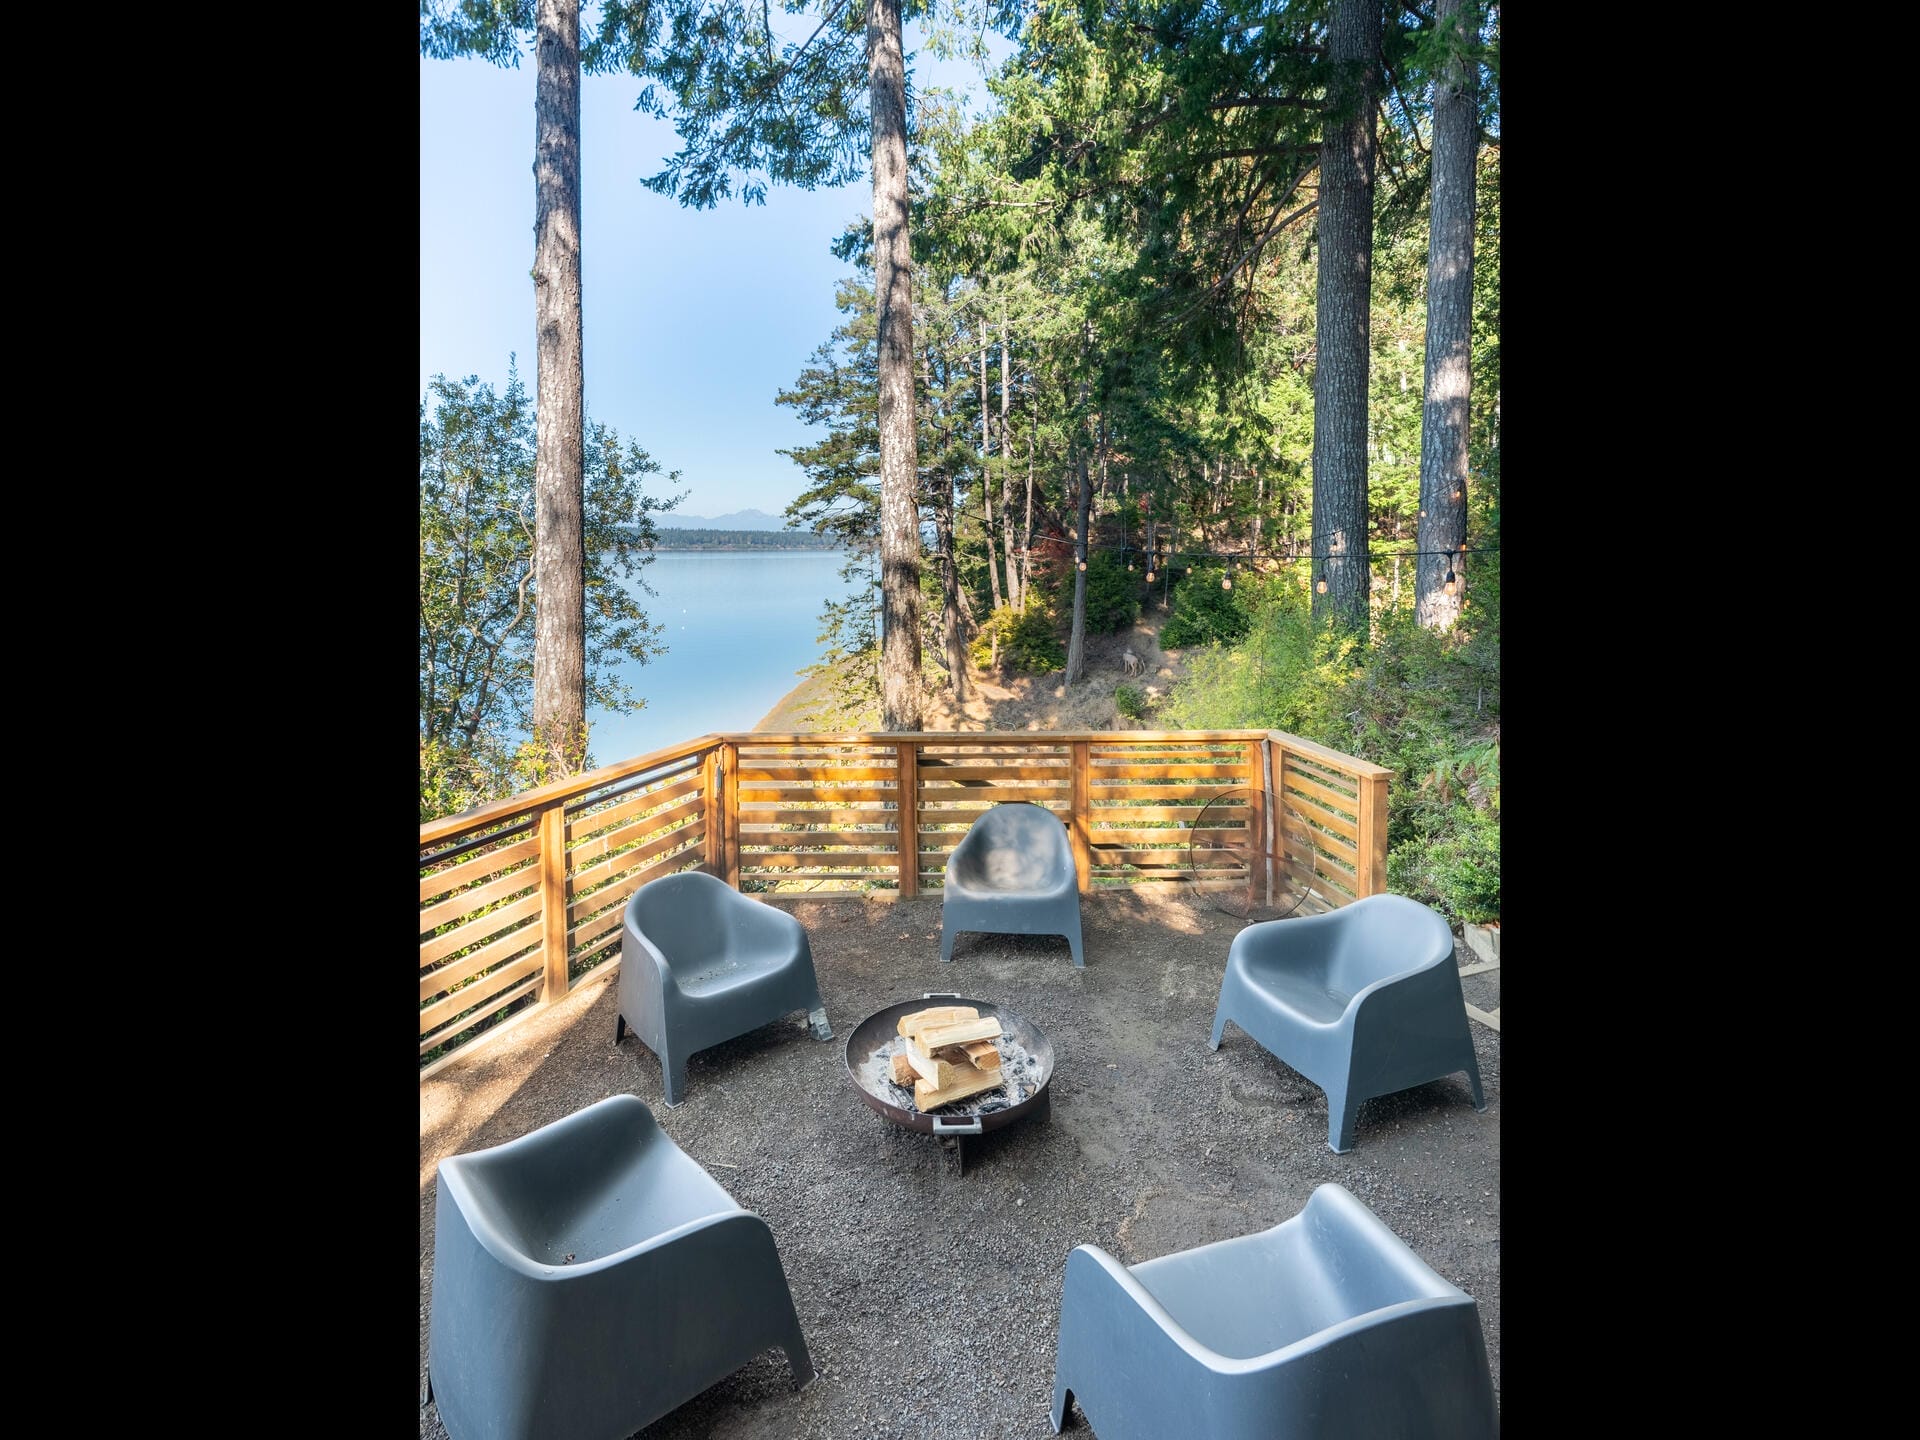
[{"x": 975, "y": 1115}]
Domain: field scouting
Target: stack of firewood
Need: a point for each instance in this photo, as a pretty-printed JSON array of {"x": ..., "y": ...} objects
[{"x": 948, "y": 1056}]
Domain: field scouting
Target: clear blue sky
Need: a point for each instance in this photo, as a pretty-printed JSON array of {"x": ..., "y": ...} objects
[{"x": 694, "y": 319}]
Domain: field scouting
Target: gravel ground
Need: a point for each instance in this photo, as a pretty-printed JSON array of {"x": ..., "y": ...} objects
[{"x": 930, "y": 1298}]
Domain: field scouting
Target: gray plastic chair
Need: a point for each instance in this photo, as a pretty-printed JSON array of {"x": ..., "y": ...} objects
[
  {"x": 1363, "y": 1001},
  {"x": 1012, "y": 874},
  {"x": 701, "y": 963},
  {"x": 1325, "y": 1326},
  {"x": 589, "y": 1277}
]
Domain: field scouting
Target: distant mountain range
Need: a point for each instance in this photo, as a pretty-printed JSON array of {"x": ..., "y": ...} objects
[{"x": 738, "y": 520}]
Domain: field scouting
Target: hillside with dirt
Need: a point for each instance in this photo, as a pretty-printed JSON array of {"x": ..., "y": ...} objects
[{"x": 1003, "y": 701}]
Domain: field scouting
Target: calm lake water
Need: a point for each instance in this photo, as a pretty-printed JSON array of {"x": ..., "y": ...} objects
[{"x": 739, "y": 628}]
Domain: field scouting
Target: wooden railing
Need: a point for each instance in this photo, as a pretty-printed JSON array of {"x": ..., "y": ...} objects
[{"x": 521, "y": 898}]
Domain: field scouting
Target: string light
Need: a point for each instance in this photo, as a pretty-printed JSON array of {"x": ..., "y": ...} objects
[
  {"x": 1320, "y": 585},
  {"x": 1149, "y": 577},
  {"x": 1449, "y": 587}
]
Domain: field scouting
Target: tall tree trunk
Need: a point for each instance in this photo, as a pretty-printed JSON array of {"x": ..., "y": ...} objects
[
  {"x": 1340, "y": 324},
  {"x": 1077, "y": 640},
  {"x": 950, "y": 589},
  {"x": 952, "y": 635},
  {"x": 1016, "y": 590},
  {"x": 560, "y": 555},
  {"x": 986, "y": 471},
  {"x": 893, "y": 294},
  {"x": 1443, "y": 419},
  {"x": 1259, "y": 508},
  {"x": 1026, "y": 542}
]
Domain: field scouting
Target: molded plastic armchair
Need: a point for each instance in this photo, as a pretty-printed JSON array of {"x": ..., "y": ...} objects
[
  {"x": 589, "y": 1277},
  {"x": 1325, "y": 1326},
  {"x": 701, "y": 963},
  {"x": 1012, "y": 874},
  {"x": 1363, "y": 1001}
]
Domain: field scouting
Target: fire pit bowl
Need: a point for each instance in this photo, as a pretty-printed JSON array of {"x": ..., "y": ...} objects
[{"x": 1027, "y": 1058}]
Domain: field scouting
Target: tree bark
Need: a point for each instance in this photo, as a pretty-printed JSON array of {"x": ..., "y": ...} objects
[
  {"x": 1077, "y": 640},
  {"x": 893, "y": 295},
  {"x": 950, "y": 589},
  {"x": 1016, "y": 590},
  {"x": 1449, "y": 378},
  {"x": 986, "y": 472},
  {"x": 1341, "y": 302},
  {"x": 560, "y": 619},
  {"x": 1026, "y": 542}
]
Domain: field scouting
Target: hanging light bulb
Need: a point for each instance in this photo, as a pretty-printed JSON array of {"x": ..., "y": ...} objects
[
  {"x": 1320, "y": 585},
  {"x": 1451, "y": 584},
  {"x": 1149, "y": 577},
  {"x": 1083, "y": 564},
  {"x": 1226, "y": 582}
]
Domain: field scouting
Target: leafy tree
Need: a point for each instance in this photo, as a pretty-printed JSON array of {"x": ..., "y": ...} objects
[{"x": 479, "y": 592}]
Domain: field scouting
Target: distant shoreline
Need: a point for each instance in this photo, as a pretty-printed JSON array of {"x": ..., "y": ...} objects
[{"x": 784, "y": 717}]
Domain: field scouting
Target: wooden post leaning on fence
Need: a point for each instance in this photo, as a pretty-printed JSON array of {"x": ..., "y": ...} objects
[
  {"x": 1259, "y": 883},
  {"x": 713, "y": 856},
  {"x": 1082, "y": 819},
  {"x": 907, "y": 782},
  {"x": 730, "y": 813},
  {"x": 553, "y": 900},
  {"x": 1372, "y": 841}
]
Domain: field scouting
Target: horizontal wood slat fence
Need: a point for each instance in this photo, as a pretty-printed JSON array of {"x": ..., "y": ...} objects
[{"x": 521, "y": 898}]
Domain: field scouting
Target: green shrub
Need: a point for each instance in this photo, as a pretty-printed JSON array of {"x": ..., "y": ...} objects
[
  {"x": 1203, "y": 612},
  {"x": 1028, "y": 641},
  {"x": 1287, "y": 673},
  {"x": 1425, "y": 705},
  {"x": 1457, "y": 872},
  {"x": 1131, "y": 701},
  {"x": 1113, "y": 593}
]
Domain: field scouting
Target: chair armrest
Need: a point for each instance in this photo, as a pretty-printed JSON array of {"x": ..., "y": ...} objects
[
  {"x": 652, "y": 959},
  {"x": 1130, "y": 1323},
  {"x": 1298, "y": 942}
]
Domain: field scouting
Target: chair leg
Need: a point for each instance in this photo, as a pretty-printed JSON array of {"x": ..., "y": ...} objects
[
  {"x": 1073, "y": 944},
  {"x": 1343, "y": 1108},
  {"x": 947, "y": 935},
  {"x": 1473, "y": 1079},
  {"x": 817, "y": 1023},
  {"x": 1219, "y": 1026},
  {"x": 619, "y": 1027},
  {"x": 673, "y": 1076},
  {"x": 1062, "y": 1399},
  {"x": 798, "y": 1361}
]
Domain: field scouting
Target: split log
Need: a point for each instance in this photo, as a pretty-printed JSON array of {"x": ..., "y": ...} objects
[
  {"x": 968, "y": 1081},
  {"x": 939, "y": 1070},
  {"x": 937, "y": 1015},
  {"x": 983, "y": 1053},
  {"x": 903, "y": 1071},
  {"x": 959, "y": 1033}
]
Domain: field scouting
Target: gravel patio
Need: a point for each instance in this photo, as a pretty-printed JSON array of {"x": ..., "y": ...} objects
[{"x": 930, "y": 1298}]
